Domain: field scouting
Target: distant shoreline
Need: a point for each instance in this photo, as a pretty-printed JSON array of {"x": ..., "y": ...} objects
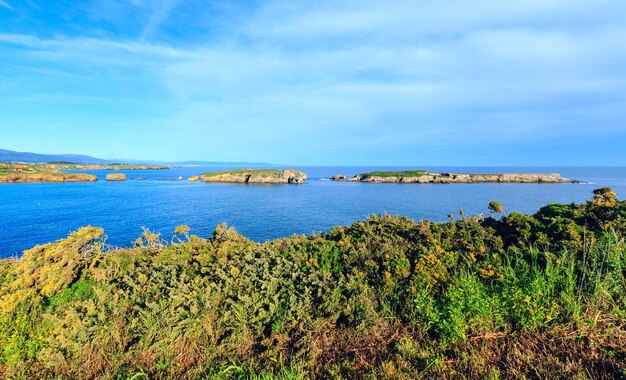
[{"x": 424, "y": 177}]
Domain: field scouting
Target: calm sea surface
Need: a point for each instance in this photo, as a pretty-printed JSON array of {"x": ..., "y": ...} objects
[{"x": 32, "y": 214}]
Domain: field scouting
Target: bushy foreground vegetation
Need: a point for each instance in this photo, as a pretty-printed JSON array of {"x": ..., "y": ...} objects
[{"x": 539, "y": 296}]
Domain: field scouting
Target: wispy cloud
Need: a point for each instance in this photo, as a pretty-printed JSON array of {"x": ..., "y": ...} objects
[
  {"x": 4, "y": 4},
  {"x": 160, "y": 11}
]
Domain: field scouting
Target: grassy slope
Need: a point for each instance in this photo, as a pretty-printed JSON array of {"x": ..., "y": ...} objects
[
  {"x": 524, "y": 296},
  {"x": 26, "y": 174},
  {"x": 47, "y": 173},
  {"x": 272, "y": 172},
  {"x": 9, "y": 169},
  {"x": 405, "y": 173},
  {"x": 53, "y": 169}
]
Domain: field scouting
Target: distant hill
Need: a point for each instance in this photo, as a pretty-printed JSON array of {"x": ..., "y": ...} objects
[{"x": 11, "y": 156}]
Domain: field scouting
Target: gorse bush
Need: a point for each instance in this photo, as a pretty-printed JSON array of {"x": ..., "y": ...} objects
[{"x": 521, "y": 296}]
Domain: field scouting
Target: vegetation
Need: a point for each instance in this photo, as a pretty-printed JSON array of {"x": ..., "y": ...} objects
[
  {"x": 495, "y": 207},
  {"x": 6, "y": 169},
  {"x": 245, "y": 172},
  {"x": 58, "y": 167},
  {"x": 523, "y": 296},
  {"x": 405, "y": 173},
  {"x": 11, "y": 173}
]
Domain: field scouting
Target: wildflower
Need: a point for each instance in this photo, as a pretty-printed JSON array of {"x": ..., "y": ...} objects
[
  {"x": 182, "y": 230},
  {"x": 234, "y": 271},
  {"x": 487, "y": 271}
]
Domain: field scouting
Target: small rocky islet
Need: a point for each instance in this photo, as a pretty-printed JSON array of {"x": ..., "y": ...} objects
[
  {"x": 421, "y": 176},
  {"x": 115, "y": 177},
  {"x": 270, "y": 176}
]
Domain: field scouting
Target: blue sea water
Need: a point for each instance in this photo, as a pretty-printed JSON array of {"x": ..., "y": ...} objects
[{"x": 38, "y": 213}]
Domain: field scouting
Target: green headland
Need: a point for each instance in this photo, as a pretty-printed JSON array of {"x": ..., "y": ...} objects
[
  {"x": 56, "y": 172},
  {"x": 16, "y": 173}
]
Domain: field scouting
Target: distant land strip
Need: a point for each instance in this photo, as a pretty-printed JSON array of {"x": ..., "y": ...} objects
[
  {"x": 56, "y": 172},
  {"x": 422, "y": 176}
]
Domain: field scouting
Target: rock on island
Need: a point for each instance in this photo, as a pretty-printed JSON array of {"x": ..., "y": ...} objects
[{"x": 287, "y": 176}]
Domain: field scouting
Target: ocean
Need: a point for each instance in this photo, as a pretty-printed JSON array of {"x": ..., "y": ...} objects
[{"x": 37, "y": 213}]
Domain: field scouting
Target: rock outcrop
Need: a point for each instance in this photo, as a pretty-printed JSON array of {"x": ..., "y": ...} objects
[
  {"x": 193, "y": 178},
  {"x": 116, "y": 177},
  {"x": 338, "y": 177},
  {"x": 460, "y": 178},
  {"x": 290, "y": 176},
  {"x": 24, "y": 173},
  {"x": 46, "y": 177}
]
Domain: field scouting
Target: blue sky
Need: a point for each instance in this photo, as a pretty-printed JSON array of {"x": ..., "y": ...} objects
[{"x": 367, "y": 82}]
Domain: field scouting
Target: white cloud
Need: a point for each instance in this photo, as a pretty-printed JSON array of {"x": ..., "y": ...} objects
[{"x": 415, "y": 74}]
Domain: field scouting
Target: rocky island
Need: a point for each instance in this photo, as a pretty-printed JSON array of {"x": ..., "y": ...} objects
[
  {"x": 422, "y": 176},
  {"x": 23, "y": 173},
  {"x": 116, "y": 177},
  {"x": 290, "y": 176}
]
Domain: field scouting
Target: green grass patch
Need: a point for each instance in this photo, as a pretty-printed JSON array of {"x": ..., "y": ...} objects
[
  {"x": 81, "y": 290},
  {"x": 236, "y": 172},
  {"x": 384, "y": 174}
]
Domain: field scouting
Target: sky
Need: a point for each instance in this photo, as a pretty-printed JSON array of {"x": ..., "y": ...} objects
[{"x": 351, "y": 82}]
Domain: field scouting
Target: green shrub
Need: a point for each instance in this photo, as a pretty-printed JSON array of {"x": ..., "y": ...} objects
[{"x": 385, "y": 297}]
